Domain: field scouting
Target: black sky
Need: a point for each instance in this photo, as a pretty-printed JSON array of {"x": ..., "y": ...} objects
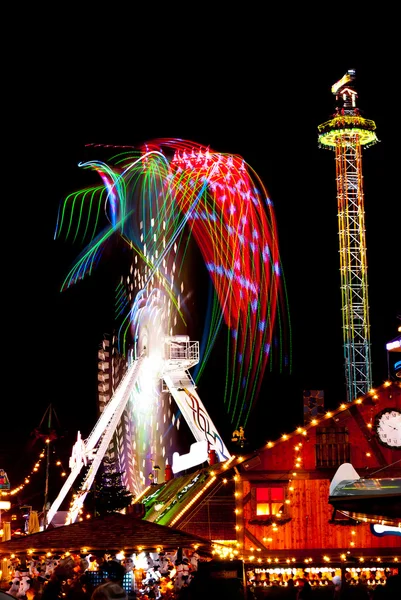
[{"x": 262, "y": 104}]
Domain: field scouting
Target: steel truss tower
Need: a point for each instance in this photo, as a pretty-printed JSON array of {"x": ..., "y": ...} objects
[{"x": 346, "y": 133}]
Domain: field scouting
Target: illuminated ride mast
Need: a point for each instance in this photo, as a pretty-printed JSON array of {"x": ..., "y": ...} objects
[{"x": 346, "y": 133}]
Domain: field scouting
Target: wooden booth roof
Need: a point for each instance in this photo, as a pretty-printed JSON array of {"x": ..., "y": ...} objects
[
  {"x": 113, "y": 532},
  {"x": 357, "y": 417}
]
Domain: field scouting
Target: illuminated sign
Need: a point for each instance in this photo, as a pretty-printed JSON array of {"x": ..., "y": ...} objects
[
  {"x": 393, "y": 345},
  {"x": 4, "y": 481},
  {"x": 381, "y": 530},
  {"x": 197, "y": 455}
]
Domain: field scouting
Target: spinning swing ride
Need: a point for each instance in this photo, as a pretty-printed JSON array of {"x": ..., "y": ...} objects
[{"x": 161, "y": 199}]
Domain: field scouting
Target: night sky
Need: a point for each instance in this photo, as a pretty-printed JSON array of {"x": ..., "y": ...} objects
[{"x": 249, "y": 103}]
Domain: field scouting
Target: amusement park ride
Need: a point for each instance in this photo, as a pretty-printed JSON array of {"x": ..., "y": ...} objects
[
  {"x": 165, "y": 200},
  {"x": 177, "y": 354},
  {"x": 346, "y": 133}
]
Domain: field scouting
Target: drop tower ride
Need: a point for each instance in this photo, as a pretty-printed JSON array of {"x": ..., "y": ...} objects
[{"x": 347, "y": 132}]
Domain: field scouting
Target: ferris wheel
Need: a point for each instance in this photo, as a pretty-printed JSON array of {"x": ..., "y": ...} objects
[{"x": 160, "y": 199}]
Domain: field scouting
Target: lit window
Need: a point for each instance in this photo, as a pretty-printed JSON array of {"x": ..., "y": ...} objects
[{"x": 269, "y": 501}]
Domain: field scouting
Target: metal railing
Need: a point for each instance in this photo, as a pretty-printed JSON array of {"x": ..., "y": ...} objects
[{"x": 183, "y": 350}]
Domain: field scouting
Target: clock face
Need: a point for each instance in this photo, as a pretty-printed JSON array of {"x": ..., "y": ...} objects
[{"x": 388, "y": 427}]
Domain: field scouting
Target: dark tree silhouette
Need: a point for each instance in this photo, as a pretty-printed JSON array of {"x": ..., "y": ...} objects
[{"x": 110, "y": 495}]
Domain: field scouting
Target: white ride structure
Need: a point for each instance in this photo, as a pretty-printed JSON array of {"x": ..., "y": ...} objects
[{"x": 178, "y": 354}]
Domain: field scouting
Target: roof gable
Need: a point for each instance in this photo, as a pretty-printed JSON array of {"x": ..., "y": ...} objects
[{"x": 355, "y": 417}]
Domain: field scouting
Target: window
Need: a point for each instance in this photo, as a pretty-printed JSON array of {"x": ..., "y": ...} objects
[
  {"x": 269, "y": 501},
  {"x": 269, "y": 504},
  {"x": 332, "y": 447}
]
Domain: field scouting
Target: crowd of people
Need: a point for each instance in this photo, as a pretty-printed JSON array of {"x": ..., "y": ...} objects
[
  {"x": 161, "y": 576},
  {"x": 357, "y": 585},
  {"x": 166, "y": 576}
]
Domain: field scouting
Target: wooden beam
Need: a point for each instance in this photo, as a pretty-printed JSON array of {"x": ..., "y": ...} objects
[
  {"x": 254, "y": 540},
  {"x": 368, "y": 434}
]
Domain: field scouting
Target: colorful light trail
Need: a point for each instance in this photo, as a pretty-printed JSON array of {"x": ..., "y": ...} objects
[{"x": 161, "y": 199}]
